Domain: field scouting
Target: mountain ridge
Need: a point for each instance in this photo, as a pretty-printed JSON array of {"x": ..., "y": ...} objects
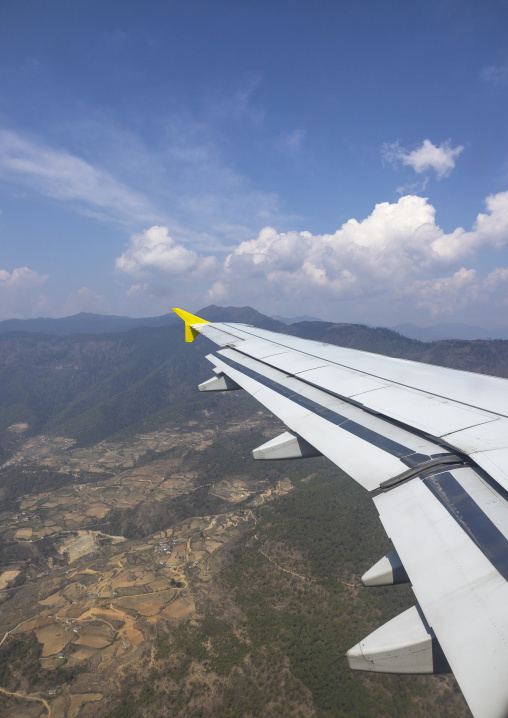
[
  {"x": 83, "y": 323},
  {"x": 91, "y": 323},
  {"x": 451, "y": 330},
  {"x": 92, "y": 386}
]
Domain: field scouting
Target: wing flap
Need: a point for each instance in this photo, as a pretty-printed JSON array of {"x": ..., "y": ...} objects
[
  {"x": 495, "y": 463},
  {"x": 462, "y": 593}
]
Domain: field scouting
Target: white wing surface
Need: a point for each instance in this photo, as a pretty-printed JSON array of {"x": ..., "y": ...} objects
[{"x": 432, "y": 443}]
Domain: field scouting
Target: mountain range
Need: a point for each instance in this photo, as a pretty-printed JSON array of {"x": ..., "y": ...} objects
[
  {"x": 93, "y": 386},
  {"x": 83, "y": 323},
  {"x": 450, "y": 331},
  {"x": 88, "y": 323}
]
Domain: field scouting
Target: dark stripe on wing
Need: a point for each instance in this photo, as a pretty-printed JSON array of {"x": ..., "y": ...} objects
[
  {"x": 471, "y": 518},
  {"x": 404, "y": 453}
]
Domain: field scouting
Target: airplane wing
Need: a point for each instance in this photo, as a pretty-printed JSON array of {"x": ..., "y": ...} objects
[{"x": 431, "y": 444}]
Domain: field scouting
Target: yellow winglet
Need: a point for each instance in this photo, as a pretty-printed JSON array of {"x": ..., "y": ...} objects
[{"x": 190, "y": 333}]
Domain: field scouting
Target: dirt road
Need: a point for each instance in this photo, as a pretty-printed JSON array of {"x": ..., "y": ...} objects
[{"x": 29, "y": 698}]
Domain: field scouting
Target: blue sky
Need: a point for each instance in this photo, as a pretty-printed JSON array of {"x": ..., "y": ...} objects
[{"x": 346, "y": 160}]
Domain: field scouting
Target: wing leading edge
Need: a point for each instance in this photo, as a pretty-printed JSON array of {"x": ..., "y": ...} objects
[{"x": 432, "y": 443}]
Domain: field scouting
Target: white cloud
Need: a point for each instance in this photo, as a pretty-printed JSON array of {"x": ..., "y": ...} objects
[
  {"x": 64, "y": 176},
  {"x": 444, "y": 296},
  {"x": 191, "y": 175},
  {"x": 447, "y": 296},
  {"x": 427, "y": 157},
  {"x": 20, "y": 294},
  {"x": 397, "y": 256},
  {"x": 396, "y": 261},
  {"x": 155, "y": 255},
  {"x": 136, "y": 288}
]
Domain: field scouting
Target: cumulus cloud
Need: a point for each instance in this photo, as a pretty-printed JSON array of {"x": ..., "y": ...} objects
[
  {"x": 447, "y": 296},
  {"x": 396, "y": 258},
  {"x": 63, "y": 176},
  {"x": 427, "y": 157},
  {"x": 397, "y": 254},
  {"x": 154, "y": 253},
  {"x": 20, "y": 294}
]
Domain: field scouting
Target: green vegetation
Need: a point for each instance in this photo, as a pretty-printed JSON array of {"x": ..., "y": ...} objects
[
  {"x": 17, "y": 481},
  {"x": 151, "y": 516},
  {"x": 212, "y": 640},
  {"x": 337, "y": 534},
  {"x": 91, "y": 387},
  {"x": 224, "y": 459},
  {"x": 16, "y": 657},
  {"x": 20, "y": 668}
]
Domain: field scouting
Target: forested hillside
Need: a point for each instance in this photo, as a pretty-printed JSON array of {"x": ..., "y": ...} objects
[{"x": 91, "y": 387}]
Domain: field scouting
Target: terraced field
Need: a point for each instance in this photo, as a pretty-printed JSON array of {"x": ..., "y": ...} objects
[{"x": 94, "y": 601}]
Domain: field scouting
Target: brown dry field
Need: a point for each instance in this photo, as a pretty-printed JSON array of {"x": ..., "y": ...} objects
[
  {"x": 109, "y": 635},
  {"x": 100, "y": 599},
  {"x": 181, "y": 608},
  {"x": 54, "y": 638}
]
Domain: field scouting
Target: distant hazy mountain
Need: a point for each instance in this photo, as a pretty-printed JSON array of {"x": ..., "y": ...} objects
[
  {"x": 92, "y": 386},
  {"x": 84, "y": 323},
  {"x": 450, "y": 331},
  {"x": 244, "y": 315},
  {"x": 87, "y": 323},
  {"x": 296, "y": 320}
]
